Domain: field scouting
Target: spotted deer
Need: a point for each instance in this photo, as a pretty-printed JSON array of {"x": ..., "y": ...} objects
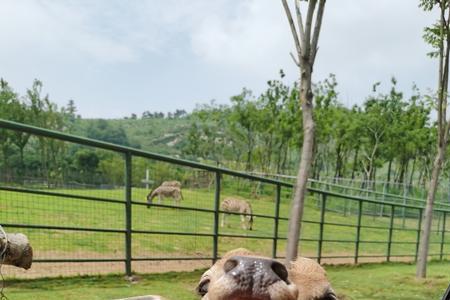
[
  {"x": 164, "y": 192},
  {"x": 237, "y": 206}
]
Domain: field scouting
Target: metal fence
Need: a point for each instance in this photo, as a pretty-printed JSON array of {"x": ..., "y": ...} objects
[{"x": 79, "y": 231}]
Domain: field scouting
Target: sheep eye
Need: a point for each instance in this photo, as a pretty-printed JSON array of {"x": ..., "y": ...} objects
[{"x": 202, "y": 288}]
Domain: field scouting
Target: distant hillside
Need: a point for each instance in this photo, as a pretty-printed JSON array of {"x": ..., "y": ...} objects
[{"x": 161, "y": 135}]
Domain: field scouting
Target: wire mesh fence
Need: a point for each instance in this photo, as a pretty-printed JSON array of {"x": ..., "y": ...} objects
[{"x": 84, "y": 222}]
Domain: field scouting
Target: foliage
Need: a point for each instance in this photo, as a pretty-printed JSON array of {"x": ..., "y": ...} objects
[{"x": 389, "y": 137}]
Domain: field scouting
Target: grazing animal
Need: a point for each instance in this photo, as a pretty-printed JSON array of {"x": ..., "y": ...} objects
[
  {"x": 174, "y": 183},
  {"x": 164, "y": 192},
  {"x": 238, "y": 206},
  {"x": 240, "y": 275}
]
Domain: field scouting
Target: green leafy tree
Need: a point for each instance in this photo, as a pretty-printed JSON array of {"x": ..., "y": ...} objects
[
  {"x": 87, "y": 162},
  {"x": 105, "y": 131},
  {"x": 438, "y": 36}
]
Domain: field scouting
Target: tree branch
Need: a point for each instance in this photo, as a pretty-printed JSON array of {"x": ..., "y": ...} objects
[
  {"x": 294, "y": 59},
  {"x": 440, "y": 115},
  {"x": 300, "y": 24},
  {"x": 309, "y": 18},
  {"x": 444, "y": 93},
  {"x": 292, "y": 26},
  {"x": 316, "y": 33}
]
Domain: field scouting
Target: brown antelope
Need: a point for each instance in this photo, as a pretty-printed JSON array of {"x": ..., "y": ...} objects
[
  {"x": 240, "y": 274},
  {"x": 164, "y": 192},
  {"x": 238, "y": 206}
]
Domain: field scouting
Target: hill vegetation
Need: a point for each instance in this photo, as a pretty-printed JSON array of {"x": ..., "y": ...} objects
[{"x": 388, "y": 138}]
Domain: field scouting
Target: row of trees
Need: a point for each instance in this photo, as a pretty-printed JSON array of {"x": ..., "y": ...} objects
[
  {"x": 35, "y": 109},
  {"x": 23, "y": 155},
  {"x": 178, "y": 113},
  {"x": 388, "y": 137}
]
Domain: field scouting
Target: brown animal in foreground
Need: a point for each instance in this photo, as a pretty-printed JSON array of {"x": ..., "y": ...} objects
[
  {"x": 238, "y": 206},
  {"x": 164, "y": 192},
  {"x": 242, "y": 275},
  {"x": 16, "y": 250},
  {"x": 174, "y": 183}
]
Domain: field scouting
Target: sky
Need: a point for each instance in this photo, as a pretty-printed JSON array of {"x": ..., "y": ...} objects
[{"x": 115, "y": 58}]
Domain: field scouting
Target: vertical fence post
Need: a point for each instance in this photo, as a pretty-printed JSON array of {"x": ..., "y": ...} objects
[
  {"x": 405, "y": 193},
  {"x": 418, "y": 233},
  {"x": 443, "y": 236},
  {"x": 391, "y": 227},
  {"x": 358, "y": 231},
  {"x": 128, "y": 224},
  {"x": 322, "y": 220},
  {"x": 383, "y": 199},
  {"x": 276, "y": 220},
  {"x": 216, "y": 217}
]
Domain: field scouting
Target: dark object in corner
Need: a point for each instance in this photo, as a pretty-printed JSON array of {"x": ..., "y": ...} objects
[{"x": 447, "y": 294}]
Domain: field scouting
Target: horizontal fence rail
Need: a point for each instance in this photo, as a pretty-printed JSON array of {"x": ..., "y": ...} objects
[{"x": 127, "y": 229}]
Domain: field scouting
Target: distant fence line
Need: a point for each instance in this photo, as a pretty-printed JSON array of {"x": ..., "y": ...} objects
[
  {"x": 330, "y": 184},
  {"x": 328, "y": 201}
]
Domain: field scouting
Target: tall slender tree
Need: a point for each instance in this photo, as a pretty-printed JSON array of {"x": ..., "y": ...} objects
[
  {"x": 306, "y": 38},
  {"x": 438, "y": 36}
]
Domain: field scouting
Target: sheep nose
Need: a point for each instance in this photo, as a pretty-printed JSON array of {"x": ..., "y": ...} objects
[{"x": 255, "y": 270}]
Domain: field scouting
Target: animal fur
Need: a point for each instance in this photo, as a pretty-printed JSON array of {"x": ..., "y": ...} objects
[
  {"x": 164, "y": 192},
  {"x": 174, "y": 183},
  {"x": 242, "y": 207},
  {"x": 306, "y": 280}
]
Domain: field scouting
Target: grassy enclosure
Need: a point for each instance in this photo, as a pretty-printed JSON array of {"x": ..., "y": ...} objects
[
  {"x": 176, "y": 232},
  {"x": 368, "y": 281},
  {"x": 80, "y": 223}
]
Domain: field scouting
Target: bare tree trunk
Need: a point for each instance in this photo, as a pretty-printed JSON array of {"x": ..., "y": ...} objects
[
  {"x": 442, "y": 140},
  {"x": 306, "y": 37},
  {"x": 303, "y": 171},
  {"x": 388, "y": 180},
  {"x": 355, "y": 160},
  {"x": 412, "y": 173},
  {"x": 421, "y": 270}
]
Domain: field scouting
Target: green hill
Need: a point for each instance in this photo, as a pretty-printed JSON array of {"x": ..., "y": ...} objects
[{"x": 161, "y": 135}]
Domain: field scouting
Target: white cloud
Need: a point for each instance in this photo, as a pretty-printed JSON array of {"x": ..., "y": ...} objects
[
  {"x": 361, "y": 41},
  {"x": 250, "y": 40},
  {"x": 46, "y": 29},
  {"x": 99, "y": 52}
]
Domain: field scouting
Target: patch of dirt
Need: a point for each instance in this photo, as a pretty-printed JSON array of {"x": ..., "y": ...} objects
[
  {"x": 96, "y": 268},
  {"x": 76, "y": 269}
]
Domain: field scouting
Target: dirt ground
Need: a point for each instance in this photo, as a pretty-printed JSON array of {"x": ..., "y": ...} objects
[
  {"x": 76, "y": 269},
  {"x": 96, "y": 268}
]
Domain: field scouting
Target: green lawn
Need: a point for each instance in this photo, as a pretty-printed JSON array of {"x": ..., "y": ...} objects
[
  {"x": 21, "y": 208},
  {"x": 368, "y": 281}
]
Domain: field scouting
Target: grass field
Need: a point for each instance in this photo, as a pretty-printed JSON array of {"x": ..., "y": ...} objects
[
  {"x": 19, "y": 208},
  {"x": 369, "y": 281}
]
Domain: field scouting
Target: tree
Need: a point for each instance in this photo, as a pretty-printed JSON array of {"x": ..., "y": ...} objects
[
  {"x": 87, "y": 162},
  {"x": 20, "y": 113},
  {"x": 244, "y": 124},
  {"x": 306, "y": 40},
  {"x": 106, "y": 131},
  {"x": 7, "y": 97},
  {"x": 438, "y": 36}
]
